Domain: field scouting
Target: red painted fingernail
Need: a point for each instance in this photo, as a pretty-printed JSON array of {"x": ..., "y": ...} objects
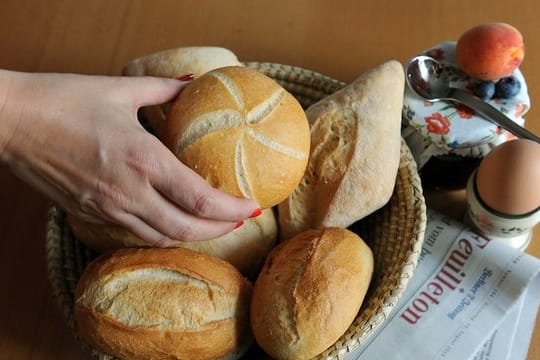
[
  {"x": 256, "y": 213},
  {"x": 238, "y": 224},
  {"x": 187, "y": 77}
]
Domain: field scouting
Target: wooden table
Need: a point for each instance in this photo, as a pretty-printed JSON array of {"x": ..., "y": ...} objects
[{"x": 339, "y": 38}]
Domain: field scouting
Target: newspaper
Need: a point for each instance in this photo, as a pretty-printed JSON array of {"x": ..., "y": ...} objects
[{"x": 470, "y": 298}]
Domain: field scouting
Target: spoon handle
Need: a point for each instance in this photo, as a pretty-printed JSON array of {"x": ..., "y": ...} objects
[{"x": 491, "y": 113}]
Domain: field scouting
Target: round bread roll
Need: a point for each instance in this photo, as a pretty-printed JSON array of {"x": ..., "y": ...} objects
[
  {"x": 309, "y": 291},
  {"x": 242, "y": 132},
  {"x": 246, "y": 247},
  {"x": 163, "y": 304}
]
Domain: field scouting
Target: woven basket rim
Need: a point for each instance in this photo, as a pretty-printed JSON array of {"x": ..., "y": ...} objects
[{"x": 66, "y": 257}]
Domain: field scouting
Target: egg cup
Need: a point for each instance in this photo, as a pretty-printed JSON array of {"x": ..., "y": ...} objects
[{"x": 513, "y": 230}]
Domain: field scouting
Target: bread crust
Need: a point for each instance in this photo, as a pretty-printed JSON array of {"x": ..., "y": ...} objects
[
  {"x": 355, "y": 153},
  {"x": 242, "y": 132},
  {"x": 214, "y": 322},
  {"x": 309, "y": 292}
]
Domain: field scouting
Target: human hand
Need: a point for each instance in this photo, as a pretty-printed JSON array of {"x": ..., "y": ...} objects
[{"x": 77, "y": 139}]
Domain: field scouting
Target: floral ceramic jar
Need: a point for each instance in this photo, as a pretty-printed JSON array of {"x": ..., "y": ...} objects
[{"x": 447, "y": 139}]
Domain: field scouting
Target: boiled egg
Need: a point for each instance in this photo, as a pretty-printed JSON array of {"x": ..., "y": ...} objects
[{"x": 508, "y": 178}]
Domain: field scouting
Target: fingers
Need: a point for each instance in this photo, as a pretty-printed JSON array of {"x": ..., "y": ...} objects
[
  {"x": 147, "y": 90},
  {"x": 187, "y": 189},
  {"x": 163, "y": 224},
  {"x": 141, "y": 229}
]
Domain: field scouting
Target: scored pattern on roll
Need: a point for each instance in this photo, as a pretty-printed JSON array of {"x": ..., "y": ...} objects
[
  {"x": 260, "y": 112},
  {"x": 208, "y": 123},
  {"x": 231, "y": 88},
  {"x": 241, "y": 172},
  {"x": 275, "y": 145}
]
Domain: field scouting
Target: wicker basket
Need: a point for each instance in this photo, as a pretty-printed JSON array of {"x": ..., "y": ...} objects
[{"x": 395, "y": 233}]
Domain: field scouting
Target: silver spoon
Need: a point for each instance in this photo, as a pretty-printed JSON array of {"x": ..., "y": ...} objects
[{"x": 425, "y": 77}]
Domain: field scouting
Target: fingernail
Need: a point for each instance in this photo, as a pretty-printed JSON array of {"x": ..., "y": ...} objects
[
  {"x": 186, "y": 77},
  {"x": 238, "y": 224},
  {"x": 256, "y": 213}
]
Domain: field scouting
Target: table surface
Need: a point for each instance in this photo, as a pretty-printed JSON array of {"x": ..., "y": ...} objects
[{"x": 341, "y": 39}]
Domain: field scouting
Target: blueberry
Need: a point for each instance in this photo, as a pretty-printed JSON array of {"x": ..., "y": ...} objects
[
  {"x": 507, "y": 88},
  {"x": 484, "y": 90}
]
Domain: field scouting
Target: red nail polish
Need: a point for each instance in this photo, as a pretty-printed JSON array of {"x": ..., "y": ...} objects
[
  {"x": 256, "y": 213},
  {"x": 238, "y": 224},
  {"x": 187, "y": 77}
]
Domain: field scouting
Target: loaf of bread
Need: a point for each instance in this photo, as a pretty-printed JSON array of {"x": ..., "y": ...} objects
[
  {"x": 356, "y": 139},
  {"x": 246, "y": 247},
  {"x": 309, "y": 292},
  {"x": 163, "y": 304},
  {"x": 242, "y": 132},
  {"x": 172, "y": 63}
]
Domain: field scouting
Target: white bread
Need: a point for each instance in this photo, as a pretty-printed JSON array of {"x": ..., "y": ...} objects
[
  {"x": 354, "y": 159},
  {"x": 246, "y": 247},
  {"x": 172, "y": 63},
  {"x": 242, "y": 132},
  {"x": 309, "y": 292},
  {"x": 163, "y": 304}
]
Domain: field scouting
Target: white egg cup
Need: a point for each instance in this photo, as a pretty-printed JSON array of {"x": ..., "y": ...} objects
[{"x": 513, "y": 230}]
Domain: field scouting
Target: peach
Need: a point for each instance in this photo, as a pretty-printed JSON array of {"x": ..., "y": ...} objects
[{"x": 490, "y": 51}]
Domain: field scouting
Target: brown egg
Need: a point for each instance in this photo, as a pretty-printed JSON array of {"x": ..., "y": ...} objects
[{"x": 508, "y": 178}]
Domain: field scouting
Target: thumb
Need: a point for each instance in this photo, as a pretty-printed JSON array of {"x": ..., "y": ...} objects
[{"x": 149, "y": 90}]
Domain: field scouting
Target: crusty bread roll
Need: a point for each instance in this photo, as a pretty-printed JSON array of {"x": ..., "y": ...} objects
[
  {"x": 172, "y": 63},
  {"x": 356, "y": 139},
  {"x": 309, "y": 292},
  {"x": 196, "y": 60},
  {"x": 242, "y": 132},
  {"x": 246, "y": 247},
  {"x": 163, "y": 304}
]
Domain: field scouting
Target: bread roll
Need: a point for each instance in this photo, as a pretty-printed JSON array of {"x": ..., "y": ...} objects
[
  {"x": 172, "y": 63},
  {"x": 356, "y": 139},
  {"x": 242, "y": 132},
  {"x": 309, "y": 292},
  {"x": 196, "y": 60},
  {"x": 246, "y": 247},
  {"x": 163, "y": 304}
]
